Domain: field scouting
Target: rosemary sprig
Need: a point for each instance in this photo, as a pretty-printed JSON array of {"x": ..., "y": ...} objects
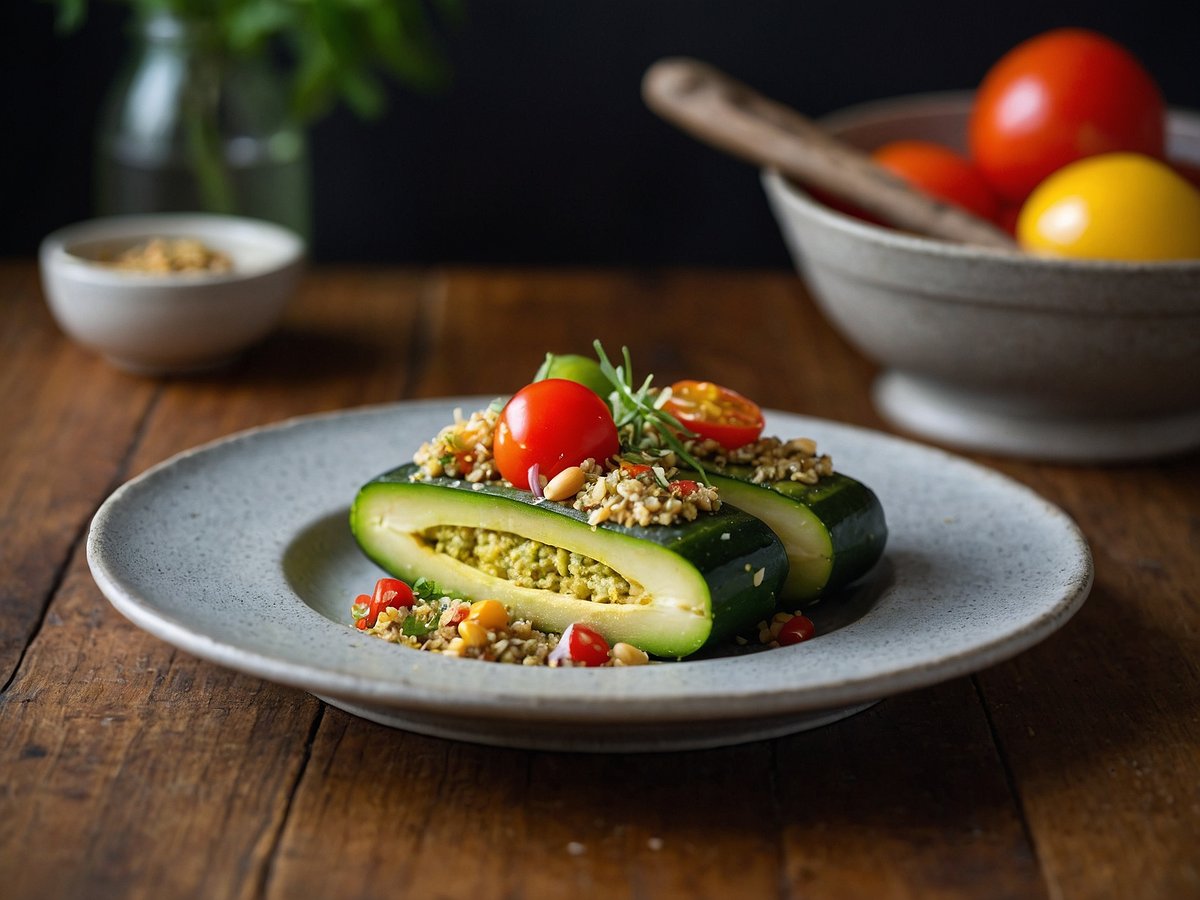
[{"x": 639, "y": 408}]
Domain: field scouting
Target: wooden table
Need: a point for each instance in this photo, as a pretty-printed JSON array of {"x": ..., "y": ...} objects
[{"x": 130, "y": 769}]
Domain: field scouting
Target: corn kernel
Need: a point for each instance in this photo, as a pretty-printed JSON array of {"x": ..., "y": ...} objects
[
  {"x": 472, "y": 633},
  {"x": 490, "y": 614}
]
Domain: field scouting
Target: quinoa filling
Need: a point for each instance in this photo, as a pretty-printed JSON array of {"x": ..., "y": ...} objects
[{"x": 532, "y": 564}]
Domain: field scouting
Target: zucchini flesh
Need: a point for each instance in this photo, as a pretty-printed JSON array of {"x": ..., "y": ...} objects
[
  {"x": 834, "y": 531},
  {"x": 699, "y": 581}
]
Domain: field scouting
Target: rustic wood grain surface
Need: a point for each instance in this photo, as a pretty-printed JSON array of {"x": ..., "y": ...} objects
[{"x": 130, "y": 769}]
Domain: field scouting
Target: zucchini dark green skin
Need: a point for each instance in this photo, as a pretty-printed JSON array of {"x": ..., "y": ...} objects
[
  {"x": 834, "y": 530},
  {"x": 705, "y": 580}
]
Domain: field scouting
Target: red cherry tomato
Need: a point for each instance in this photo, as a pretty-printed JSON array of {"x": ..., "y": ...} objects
[
  {"x": 1007, "y": 218},
  {"x": 363, "y": 600},
  {"x": 716, "y": 412},
  {"x": 941, "y": 173},
  {"x": 683, "y": 487},
  {"x": 459, "y": 615},
  {"x": 556, "y": 424},
  {"x": 796, "y": 630},
  {"x": 388, "y": 592},
  {"x": 583, "y": 645},
  {"x": 845, "y": 207},
  {"x": 1056, "y": 98}
]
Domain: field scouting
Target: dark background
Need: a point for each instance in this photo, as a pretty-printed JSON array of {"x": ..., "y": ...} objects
[{"x": 541, "y": 150}]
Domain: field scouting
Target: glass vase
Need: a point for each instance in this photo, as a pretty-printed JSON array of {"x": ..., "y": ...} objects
[{"x": 189, "y": 127}]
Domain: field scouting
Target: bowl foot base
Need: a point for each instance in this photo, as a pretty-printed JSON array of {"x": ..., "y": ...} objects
[{"x": 973, "y": 421}]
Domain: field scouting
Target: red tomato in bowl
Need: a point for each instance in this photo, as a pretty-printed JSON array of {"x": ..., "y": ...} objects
[
  {"x": 556, "y": 424},
  {"x": 716, "y": 412},
  {"x": 941, "y": 173},
  {"x": 1056, "y": 98}
]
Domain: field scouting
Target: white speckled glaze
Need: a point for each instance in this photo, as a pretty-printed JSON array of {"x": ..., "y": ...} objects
[
  {"x": 156, "y": 324},
  {"x": 253, "y": 530},
  {"x": 1072, "y": 360}
]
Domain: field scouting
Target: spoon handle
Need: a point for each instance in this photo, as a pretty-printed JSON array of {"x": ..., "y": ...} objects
[{"x": 733, "y": 117}]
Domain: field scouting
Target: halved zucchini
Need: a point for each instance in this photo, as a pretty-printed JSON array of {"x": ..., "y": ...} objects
[
  {"x": 691, "y": 584},
  {"x": 834, "y": 531}
]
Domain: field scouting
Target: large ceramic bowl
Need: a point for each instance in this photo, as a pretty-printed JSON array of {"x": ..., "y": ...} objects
[
  {"x": 174, "y": 322},
  {"x": 999, "y": 351}
]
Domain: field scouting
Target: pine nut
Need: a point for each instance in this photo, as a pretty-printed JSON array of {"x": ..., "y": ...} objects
[
  {"x": 629, "y": 655},
  {"x": 565, "y": 484}
]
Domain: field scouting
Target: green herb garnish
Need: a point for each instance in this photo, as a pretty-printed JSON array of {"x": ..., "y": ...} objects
[
  {"x": 641, "y": 408},
  {"x": 414, "y": 627},
  {"x": 424, "y": 589}
]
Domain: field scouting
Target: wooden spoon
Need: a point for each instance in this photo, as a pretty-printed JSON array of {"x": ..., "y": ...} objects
[{"x": 731, "y": 116}]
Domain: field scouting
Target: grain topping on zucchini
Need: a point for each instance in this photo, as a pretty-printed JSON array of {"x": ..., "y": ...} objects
[
  {"x": 632, "y": 494},
  {"x": 771, "y": 459},
  {"x": 463, "y": 449}
]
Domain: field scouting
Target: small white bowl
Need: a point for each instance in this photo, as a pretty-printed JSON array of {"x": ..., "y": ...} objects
[
  {"x": 173, "y": 323},
  {"x": 1002, "y": 351}
]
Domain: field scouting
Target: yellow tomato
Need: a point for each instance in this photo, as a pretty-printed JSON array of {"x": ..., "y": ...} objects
[{"x": 1114, "y": 206}]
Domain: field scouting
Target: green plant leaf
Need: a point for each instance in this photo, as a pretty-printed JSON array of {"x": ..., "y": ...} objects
[
  {"x": 337, "y": 49},
  {"x": 251, "y": 25}
]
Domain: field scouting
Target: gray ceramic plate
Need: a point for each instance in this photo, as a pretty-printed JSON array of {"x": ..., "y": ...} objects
[{"x": 239, "y": 553}]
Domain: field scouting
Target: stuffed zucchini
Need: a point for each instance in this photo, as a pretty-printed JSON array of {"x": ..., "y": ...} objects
[
  {"x": 834, "y": 530},
  {"x": 667, "y": 589},
  {"x": 543, "y": 529}
]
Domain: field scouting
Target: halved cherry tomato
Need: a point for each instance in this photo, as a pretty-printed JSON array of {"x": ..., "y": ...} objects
[
  {"x": 940, "y": 172},
  {"x": 716, "y": 412},
  {"x": 796, "y": 630},
  {"x": 583, "y": 645},
  {"x": 556, "y": 424},
  {"x": 1058, "y": 97},
  {"x": 388, "y": 592},
  {"x": 459, "y": 615},
  {"x": 363, "y": 600}
]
